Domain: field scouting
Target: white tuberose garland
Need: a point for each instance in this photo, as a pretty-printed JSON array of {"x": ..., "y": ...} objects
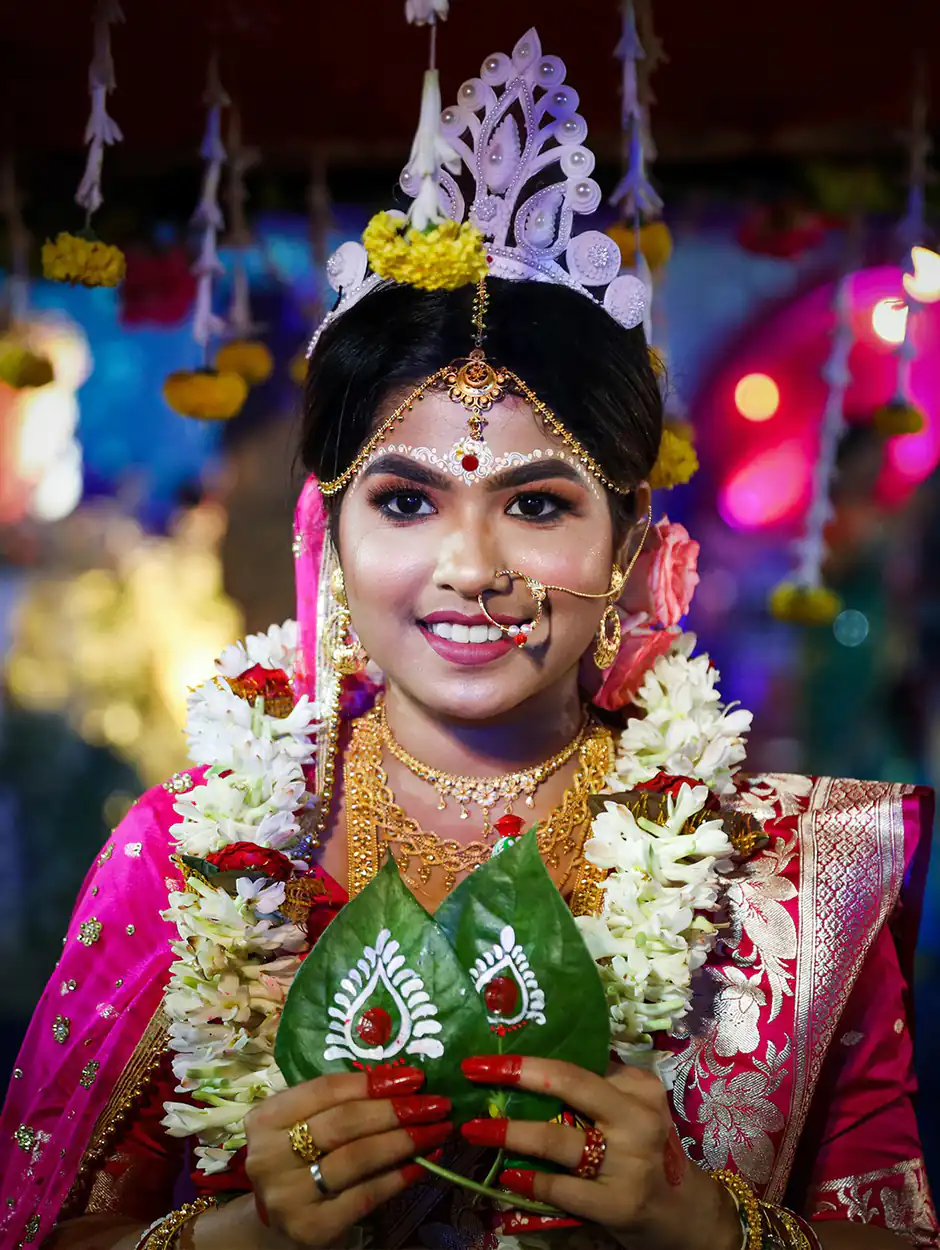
[{"x": 236, "y": 957}]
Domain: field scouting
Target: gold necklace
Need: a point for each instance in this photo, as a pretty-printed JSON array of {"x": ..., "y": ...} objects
[
  {"x": 375, "y": 823},
  {"x": 486, "y": 792}
]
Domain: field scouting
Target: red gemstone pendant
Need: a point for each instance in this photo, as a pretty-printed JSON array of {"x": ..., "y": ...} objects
[{"x": 520, "y": 639}]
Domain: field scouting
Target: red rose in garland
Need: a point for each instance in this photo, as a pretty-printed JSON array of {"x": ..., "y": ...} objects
[
  {"x": 271, "y": 684},
  {"x": 665, "y": 783},
  {"x": 249, "y": 857}
]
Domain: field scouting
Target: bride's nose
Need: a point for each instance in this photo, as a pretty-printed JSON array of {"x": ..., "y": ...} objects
[{"x": 467, "y": 561}]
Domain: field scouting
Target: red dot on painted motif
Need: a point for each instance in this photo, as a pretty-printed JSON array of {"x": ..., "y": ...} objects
[
  {"x": 375, "y": 1026},
  {"x": 469, "y": 462}
]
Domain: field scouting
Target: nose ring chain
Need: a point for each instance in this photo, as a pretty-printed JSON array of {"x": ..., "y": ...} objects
[{"x": 520, "y": 634}]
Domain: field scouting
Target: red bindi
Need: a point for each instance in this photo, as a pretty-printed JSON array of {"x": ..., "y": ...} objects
[{"x": 469, "y": 462}]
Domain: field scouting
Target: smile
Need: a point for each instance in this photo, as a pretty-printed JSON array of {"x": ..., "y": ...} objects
[{"x": 464, "y": 633}]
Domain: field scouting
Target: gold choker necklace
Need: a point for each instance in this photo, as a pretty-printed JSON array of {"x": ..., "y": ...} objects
[{"x": 486, "y": 792}]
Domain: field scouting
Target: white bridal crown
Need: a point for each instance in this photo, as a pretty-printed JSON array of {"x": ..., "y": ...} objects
[{"x": 518, "y": 119}]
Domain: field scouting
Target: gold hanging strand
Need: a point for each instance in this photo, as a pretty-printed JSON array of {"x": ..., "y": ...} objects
[{"x": 485, "y": 792}]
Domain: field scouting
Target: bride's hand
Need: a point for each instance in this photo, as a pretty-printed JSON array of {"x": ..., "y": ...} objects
[
  {"x": 645, "y": 1192},
  {"x": 367, "y": 1126}
]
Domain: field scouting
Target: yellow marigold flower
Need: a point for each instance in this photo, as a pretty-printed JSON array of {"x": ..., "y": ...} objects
[
  {"x": 676, "y": 463},
  {"x": 804, "y": 605},
  {"x": 898, "y": 417},
  {"x": 74, "y": 259},
  {"x": 298, "y": 368},
  {"x": 248, "y": 358},
  {"x": 21, "y": 368},
  {"x": 439, "y": 259},
  {"x": 655, "y": 243},
  {"x": 205, "y": 394}
]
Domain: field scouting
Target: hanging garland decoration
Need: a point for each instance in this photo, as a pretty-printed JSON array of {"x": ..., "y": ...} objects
[
  {"x": 804, "y": 599},
  {"x": 646, "y": 246},
  {"x": 207, "y": 393},
  {"x": 243, "y": 354},
  {"x": 900, "y": 415},
  {"x": 82, "y": 258},
  {"x": 21, "y": 367},
  {"x": 318, "y": 203},
  {"x": 426, "y": 248}
]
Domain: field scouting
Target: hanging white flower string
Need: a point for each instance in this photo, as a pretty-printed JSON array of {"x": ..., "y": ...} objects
[
  {"x": 102, "y": 130},
  {"x": 912, "y": 231},
  {"x": 208, "y": 215},
  {"x": 811, "y": 548},
  {"x": 430, "y": 150},
  {"x": 240, "y": 160}
]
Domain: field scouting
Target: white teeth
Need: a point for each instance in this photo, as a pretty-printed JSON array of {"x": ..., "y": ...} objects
[{"x": 465, "y": 633}]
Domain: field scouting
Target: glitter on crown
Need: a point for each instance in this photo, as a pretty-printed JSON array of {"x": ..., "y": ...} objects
[{"x": 516, "y": 120}]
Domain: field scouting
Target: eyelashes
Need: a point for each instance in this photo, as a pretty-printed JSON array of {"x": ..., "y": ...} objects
[{"x": 403, "y": 502}]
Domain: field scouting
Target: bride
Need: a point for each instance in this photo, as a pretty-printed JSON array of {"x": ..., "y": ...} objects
[{"x": 486, "y": 639}]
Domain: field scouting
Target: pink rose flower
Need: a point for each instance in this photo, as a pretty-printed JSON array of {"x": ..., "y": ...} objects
[
  {"x": 665, "y": 576},
  {"x": 639, "y": 650}
]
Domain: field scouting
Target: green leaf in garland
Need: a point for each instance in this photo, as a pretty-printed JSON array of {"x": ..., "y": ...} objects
[
  {"x": 515, "y": 935},
  {"x": 383, "y": 985}
]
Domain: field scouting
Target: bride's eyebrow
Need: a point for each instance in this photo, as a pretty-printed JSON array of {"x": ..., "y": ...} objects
[
  {"x": 534, "y": 471},
  {"x": 410, "y": 470}
]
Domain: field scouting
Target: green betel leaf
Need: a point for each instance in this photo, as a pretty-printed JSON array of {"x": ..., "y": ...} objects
[
  {"x": 383, "y": 985},
  {"x": 514, "y": 934}
]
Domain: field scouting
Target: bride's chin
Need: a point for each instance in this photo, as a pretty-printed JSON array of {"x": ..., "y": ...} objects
[{"x": 490, "y": 699}]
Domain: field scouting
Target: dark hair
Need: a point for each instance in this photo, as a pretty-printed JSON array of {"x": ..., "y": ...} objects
[{"x": 593, "y": 374}]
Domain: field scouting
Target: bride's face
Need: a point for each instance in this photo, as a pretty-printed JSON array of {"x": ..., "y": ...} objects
[{"x": 418, "y": 545}]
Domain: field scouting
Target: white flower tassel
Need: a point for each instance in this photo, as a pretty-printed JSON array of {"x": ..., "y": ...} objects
[
  {"x": 811, "y": 548},
  {"x": 426, "y": 12},
  {"x": 634, "y": 193},
  {"x": 208, "y": 214},
  {"x": 429, "y": 151},
  {"x": 101, "y": 130}
]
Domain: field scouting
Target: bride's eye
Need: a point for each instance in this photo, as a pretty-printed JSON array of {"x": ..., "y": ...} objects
[
  {"x": 538, "y": 506},
  {"x": 403, "y": 505}
]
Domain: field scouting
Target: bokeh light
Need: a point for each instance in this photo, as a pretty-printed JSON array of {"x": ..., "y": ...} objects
[
  {"x": 889, "y": 320},
  {"x": 767, "y": 488},
  {"x": 757, "y": 397},
  {"x": 850, "y": 627},
  {"x": 924, "y": 283}
]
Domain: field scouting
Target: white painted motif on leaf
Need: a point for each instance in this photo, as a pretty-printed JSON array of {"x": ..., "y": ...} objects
[
  {"x": 507, "y": 957},
  {"x": 383, "y": 965}
]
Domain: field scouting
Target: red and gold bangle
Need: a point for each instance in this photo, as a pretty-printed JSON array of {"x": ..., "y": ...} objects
[
  {"x": 163, "y": 1235},
  {"x": 748, "y": 1207}
]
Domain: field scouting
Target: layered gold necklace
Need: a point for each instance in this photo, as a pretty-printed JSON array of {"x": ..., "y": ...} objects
[
  {"x": 376, "y": 823},
  {"x": 485, "y": 792}
]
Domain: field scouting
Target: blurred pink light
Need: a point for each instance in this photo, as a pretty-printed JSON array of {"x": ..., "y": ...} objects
[
  {"x": 914, "y": 456},
  {"x": 768, "y": 488}
]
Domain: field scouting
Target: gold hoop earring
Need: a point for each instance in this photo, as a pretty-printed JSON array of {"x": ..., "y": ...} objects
[
  {"x": 607, "y": 639},
  {"x": 347, "y": 653}
]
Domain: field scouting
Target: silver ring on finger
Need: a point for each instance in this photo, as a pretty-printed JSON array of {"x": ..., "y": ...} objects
[{"x": 322, "y": 1187}]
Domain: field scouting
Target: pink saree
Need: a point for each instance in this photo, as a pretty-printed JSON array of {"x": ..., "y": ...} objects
[{"x": 794, "y": 1070}]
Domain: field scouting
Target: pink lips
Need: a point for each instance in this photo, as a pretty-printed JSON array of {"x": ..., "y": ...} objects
[{"x": 467, "y": 653}]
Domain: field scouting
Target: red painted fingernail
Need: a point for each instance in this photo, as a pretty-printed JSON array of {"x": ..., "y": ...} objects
[
  {"x": 493, "y": 1069},
  {"x": 518, "y": 1181},
  {"x": 262, "y": 1212},
  {"x": 420, "y": 1109},
  {"x": 426, "y": 1136},
  {"x": 383, "y": 1082},
  {"x": 485, "y": 1132}
]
